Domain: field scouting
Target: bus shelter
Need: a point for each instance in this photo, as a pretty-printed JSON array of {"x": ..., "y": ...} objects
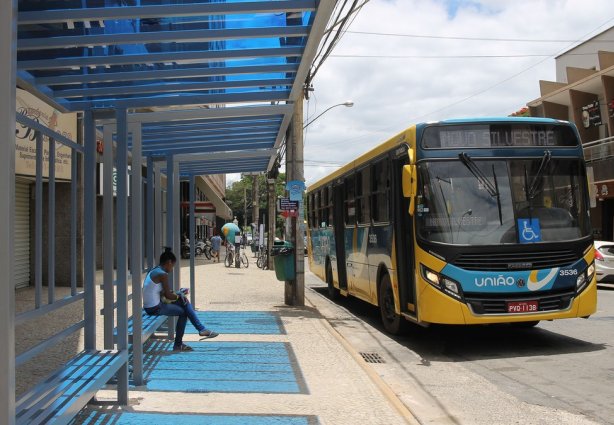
[{"x": 177, "y": 89}]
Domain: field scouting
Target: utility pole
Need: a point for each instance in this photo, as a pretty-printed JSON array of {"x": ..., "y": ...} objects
[
  {"x": 244, "y": 208},
  {"x": 272, "y": 214},
  {"x": 255, "y": 201},
  {"x": 294, "y": 290}
]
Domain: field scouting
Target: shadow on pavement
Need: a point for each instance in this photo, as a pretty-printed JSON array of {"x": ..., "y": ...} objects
[{"x": 454, "y": 343}]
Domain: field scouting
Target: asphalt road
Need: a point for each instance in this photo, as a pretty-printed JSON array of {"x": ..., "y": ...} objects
[{"x": 559, "y": 372}]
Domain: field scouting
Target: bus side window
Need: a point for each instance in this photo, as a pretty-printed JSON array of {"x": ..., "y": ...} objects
[
  {"x": 310, "y": 210},
  {"x": 330, "y": 206},
  {"x": 349, "y": 201},
  {"x": 380, "y": 185},
  {"x": 325, "y": 207},
  {"x": 362, "y": 197},
  {"x": 317, "y": 208}
]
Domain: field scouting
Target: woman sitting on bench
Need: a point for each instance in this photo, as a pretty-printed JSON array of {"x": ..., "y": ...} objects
[{"x": 160, "y": 300}]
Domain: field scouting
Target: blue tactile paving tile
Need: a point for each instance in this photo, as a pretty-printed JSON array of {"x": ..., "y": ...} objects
[
  {"x": 238, "y": 367},
  {"x": 240, "y": 322},
  {"x": 135, "y": 418}
]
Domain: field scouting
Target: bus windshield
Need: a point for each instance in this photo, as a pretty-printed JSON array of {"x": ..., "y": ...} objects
[{"x": 470, "y": 201}]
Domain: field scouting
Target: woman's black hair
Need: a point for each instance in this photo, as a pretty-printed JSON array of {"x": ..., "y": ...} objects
[{"x": 167, "y": 255}]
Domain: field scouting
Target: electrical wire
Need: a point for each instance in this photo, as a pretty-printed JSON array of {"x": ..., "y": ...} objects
[
  {"x": 453, "y": 56},
  {"x": 442, "y": 37}
]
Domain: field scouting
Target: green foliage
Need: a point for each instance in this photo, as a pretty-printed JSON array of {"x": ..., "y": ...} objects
[{"x": 242, "y": 189}]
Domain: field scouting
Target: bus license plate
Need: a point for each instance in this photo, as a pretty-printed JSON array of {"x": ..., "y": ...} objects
[{"x": 522, "y": 306}]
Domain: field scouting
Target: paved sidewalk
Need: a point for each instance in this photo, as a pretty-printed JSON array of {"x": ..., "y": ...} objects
[{"x": 272, "y": 364}]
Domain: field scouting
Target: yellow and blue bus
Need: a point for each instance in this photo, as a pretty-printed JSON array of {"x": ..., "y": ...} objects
[{"x": 460, "y": 222}]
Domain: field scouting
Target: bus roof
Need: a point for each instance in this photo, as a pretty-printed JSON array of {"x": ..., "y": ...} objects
[
  {"x": 367, "y": 156},
  {"x": 404, "y": 136}
]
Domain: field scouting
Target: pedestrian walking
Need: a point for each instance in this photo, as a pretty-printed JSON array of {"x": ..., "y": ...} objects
[
  {"x": 160, "y": 300},
  {"x": 216, "y": 244}
]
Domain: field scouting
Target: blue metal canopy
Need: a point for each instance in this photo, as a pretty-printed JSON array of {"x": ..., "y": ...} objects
[{"x": 237, "y": 65}]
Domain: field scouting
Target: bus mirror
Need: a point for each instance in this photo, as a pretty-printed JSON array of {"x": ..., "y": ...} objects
[
  {"x": 409, "y": 181},
  {"x": 410, "y": 186},
  {"x": 411, "y": 155}
]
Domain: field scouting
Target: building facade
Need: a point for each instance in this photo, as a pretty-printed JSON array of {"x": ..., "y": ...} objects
[{"x": 584, "y": 95}]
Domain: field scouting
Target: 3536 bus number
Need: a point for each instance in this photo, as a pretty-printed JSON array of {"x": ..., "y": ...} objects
[{"x": 522, "y": 306}]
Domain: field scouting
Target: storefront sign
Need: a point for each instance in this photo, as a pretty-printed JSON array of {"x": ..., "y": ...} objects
[
  {"x": 25, "y": 144},
  {"x": 591, "y": 115},
  {"x": 604, "y": 190}
]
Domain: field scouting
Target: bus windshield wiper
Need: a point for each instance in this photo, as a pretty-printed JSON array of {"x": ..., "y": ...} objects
[
  {"x": 532, "y": 189},
  {"x": 445, "y": 202},
  {"x": 492, "y": 189}
]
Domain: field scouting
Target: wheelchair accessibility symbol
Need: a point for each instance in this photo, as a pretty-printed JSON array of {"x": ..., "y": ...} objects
[{"x": 529, "y": 230}]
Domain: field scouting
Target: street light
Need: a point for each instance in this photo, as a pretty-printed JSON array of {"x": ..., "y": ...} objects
[{"x": 347, "y": 104}]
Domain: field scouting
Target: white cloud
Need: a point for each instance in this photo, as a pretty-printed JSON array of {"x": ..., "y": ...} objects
[{"x": 392, "y": 94}]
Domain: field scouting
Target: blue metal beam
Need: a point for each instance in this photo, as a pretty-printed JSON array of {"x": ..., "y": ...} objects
[
  {"x": 187, "y": 139},
  {"x": 205, "y": 99},
  {"x": 214, "y": 146},
  {"x": 154, "y": 58},
  {"x": 185, "y": 36},
  {"x": 207, "y": 149},
  {"x": 169, "y": 10},
  {"x": 212, "y": 114},
  {"x": 210, "y": 129},
  {"x": 215, "y": 122},
  {"x": 162, "y": 74},
  {"x": 171, "y": 87}
]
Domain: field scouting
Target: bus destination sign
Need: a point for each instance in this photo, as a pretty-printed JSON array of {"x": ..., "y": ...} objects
[{"x": 497, "y": 136}]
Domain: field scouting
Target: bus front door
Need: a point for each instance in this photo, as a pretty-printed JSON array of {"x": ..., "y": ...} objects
[
  {"x": 403, "y": 239},
  {"x": 339, "y": 226}
]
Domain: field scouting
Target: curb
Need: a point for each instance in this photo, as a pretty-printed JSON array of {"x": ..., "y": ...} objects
[{"x": 392, "y": 398}]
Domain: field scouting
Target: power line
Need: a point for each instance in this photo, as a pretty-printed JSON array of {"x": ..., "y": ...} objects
[
  {"x": 452, "y": 56},
  {"x": 442, "y": 37},
  {"x": 479, "y": 92}
]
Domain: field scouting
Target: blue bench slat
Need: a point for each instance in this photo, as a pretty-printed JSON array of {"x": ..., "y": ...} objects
[
  {"x": 149, "y": 326},
  {"x": 64, "y": 393}
]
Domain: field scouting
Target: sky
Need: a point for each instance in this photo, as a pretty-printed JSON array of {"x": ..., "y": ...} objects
[{"x": 396, "y": 81}]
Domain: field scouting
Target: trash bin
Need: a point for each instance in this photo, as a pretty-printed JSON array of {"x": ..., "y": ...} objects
[{"x": 283, "y": 257}]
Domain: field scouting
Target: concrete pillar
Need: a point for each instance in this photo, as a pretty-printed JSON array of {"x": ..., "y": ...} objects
[
  {"x": 8, "y": 56},
  {"x": 294, "y": 293},
  {"x": 272, "y": 215}
]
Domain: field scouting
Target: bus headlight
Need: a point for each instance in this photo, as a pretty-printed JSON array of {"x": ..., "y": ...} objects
[
  {"x": 585, "y": 278},
  {"x": 590, "y": 272},
  {"x": 441, "y": 282}
]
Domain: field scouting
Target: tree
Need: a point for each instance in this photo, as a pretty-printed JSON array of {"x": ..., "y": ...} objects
[{"x": 236, "y": 195}]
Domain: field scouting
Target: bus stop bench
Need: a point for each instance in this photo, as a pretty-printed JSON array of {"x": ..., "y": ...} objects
[
  {"x": 67, "y": 390},
  {"x": 150, "y": 324}
]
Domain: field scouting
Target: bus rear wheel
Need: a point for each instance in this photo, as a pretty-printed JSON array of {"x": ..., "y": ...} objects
[
  {"x": 393, "y": 322},
  {"x": 333, "y": 293}
]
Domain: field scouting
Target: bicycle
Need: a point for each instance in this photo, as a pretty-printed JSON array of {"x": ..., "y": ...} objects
[
  {"x": 244, "y": 259},
  {"x": 229, "y": 258},
  {"x": 263, "y": 258}
]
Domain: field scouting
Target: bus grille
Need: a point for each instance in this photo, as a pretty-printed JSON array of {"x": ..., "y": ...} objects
[
  {"x": 519, "y": 260},
  {"x": 491, "y": 304}
]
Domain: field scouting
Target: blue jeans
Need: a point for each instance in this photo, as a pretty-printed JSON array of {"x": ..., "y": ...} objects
[{"x": 183, "y": 313}]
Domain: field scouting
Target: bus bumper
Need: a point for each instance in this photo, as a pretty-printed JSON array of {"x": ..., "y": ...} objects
[{"x": 444, "y": 309}]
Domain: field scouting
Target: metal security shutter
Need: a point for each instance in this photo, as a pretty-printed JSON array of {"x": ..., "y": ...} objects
[{"x": 22, "y": 233}]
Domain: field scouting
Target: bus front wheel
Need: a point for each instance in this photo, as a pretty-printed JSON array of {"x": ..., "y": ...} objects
[{"x": 393, "y": 322}]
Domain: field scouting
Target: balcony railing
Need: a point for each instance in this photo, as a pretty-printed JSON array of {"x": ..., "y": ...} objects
[{"x": 599, "y": 149}]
